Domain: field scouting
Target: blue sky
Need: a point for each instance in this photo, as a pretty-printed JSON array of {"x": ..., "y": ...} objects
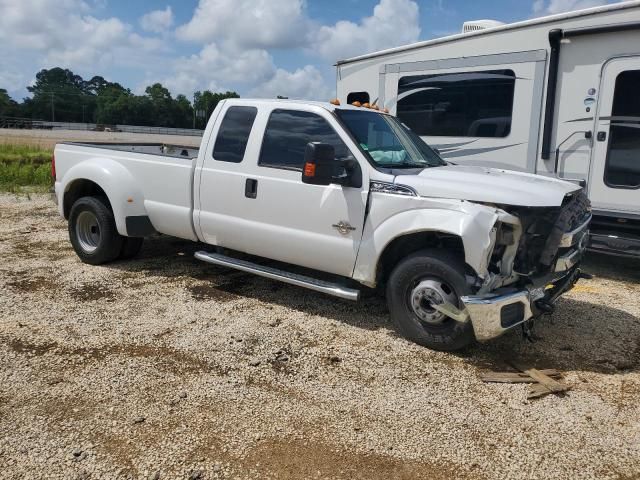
[{"x": 256, "y": 47}]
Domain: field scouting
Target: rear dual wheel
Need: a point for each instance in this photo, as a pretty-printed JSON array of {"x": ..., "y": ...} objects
[
  {"x": 93, "y": 233},
  {"x": 419, "y": 281}
]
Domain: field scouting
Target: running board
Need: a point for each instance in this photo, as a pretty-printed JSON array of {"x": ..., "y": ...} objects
[{"x": 275, "y": 274}]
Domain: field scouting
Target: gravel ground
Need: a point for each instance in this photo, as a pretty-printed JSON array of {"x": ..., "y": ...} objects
[
  {"x": 49, "y": 138},
  {"x": 164, "y": 367}
]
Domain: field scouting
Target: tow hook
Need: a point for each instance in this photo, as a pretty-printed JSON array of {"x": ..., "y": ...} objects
[
  {"x": 527, "y": 331},
  {"x": 545, "y": 306}
]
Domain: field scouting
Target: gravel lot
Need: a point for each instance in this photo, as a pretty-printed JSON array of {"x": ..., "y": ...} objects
[{"x": 164, "y": 367}]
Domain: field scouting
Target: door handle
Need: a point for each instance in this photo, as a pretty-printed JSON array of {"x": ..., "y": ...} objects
[
  {"x": 251, "y": 188},
  {"x": 602, "y": 136}
]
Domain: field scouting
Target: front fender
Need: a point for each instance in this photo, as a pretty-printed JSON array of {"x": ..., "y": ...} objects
[
  {"x": 118, "y": 183},
  {"x": 470, "y": 222}
]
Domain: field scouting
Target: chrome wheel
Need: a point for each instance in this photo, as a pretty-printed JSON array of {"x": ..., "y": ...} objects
[
  {"x": 431, "y": 292},
  {"x": 88, "y": 231}
]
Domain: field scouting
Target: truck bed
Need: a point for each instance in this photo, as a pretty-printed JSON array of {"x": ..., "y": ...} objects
[
  {"x": 164, "y": 149},
  {"x": 157, "y": 177}
]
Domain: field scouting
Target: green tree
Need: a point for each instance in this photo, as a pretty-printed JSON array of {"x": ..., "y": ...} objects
[
  {"x": 206, "y": 102},
  {"x": 59, "y": 94},
  {"x": 8, "y": 106}
]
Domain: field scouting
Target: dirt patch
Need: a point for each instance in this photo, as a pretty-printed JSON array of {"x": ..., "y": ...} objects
[
  {"x": 21, "y": 346},
  {"x": 225, "y": 292},
  {"x": 205, "y": 293},
  {"x": 91, "y": 292},
  {"x": 166, "y": 358},
  {"x": 33, "y": 284},
  {"x": 289, "y": 459}
]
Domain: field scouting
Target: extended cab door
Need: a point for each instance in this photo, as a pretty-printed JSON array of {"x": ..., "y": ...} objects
[
  {"x": 615, "y": 176},
  {"x": 259, "y": 204}
]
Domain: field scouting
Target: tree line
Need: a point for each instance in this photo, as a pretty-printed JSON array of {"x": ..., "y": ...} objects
[{"x": 62, "y": 96}]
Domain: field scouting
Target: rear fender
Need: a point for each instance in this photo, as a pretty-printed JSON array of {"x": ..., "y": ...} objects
[{"x": 126, "y": 198}]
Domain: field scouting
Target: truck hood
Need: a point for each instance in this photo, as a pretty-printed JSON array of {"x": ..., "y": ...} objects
[{"x": 490, "y": 185}]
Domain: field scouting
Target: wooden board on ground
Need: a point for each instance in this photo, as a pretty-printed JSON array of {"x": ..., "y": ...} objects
[
  {"x": 515, "y": 377},
  {"x": 543, "y": 382}
]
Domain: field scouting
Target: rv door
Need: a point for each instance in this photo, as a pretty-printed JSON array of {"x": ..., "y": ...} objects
[{"x": 615, "y": 174}]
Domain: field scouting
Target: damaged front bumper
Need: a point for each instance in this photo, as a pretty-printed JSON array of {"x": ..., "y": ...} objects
[{"x": 493, "y": 314}]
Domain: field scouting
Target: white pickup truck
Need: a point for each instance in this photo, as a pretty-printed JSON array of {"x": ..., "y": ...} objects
[{"x": 354, "y": 197}]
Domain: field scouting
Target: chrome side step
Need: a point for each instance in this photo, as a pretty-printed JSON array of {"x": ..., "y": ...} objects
[{"x": 281, "y": 275}]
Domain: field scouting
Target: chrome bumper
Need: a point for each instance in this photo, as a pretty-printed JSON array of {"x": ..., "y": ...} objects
[
  {"x": 492, "y": 314},
  {"x": 572, "y": 247}
]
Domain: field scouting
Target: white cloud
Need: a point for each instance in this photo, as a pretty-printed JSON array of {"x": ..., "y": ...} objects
[
  {"x": 305, "y": 83},
  {"x": 157, "y": 21},
  {"x": 215, "y": 69},
  {"x": 393, "y": 23},
  {"x": 248, "y": 23},
  {"x": 550, "y": 7},
  {"x": 60, "y": 34},
  {"x": 251, "y": 72}
]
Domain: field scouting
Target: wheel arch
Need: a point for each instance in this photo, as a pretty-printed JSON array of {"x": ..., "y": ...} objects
[
  {"x": 466, "y": 229},
  {"x": 108, "y": 178},
  {"x": 404, "y": 245}
]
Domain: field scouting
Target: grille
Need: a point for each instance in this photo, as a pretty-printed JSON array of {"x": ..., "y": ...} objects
[
  {"x": 543, "y": 229},
  {"x": 573, "y": 213}
]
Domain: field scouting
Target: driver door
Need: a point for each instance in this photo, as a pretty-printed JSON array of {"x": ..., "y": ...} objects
[{"x": 262, "y": 207}]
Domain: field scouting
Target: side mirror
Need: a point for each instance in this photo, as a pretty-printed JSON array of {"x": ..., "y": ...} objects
[
  {"x": 319, "y": 164},
  {"x": 322, "y": 168}
]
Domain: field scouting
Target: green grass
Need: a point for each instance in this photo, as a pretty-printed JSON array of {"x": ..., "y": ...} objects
[{"x": 25, "y": 167}]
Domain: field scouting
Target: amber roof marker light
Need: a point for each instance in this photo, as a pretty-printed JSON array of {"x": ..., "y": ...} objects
[{"x": 335, "y": 101}]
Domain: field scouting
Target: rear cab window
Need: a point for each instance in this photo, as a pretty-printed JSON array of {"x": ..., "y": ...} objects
[
  {"x": 233, "y": 134},
  {"x": 287, "y": 134}
]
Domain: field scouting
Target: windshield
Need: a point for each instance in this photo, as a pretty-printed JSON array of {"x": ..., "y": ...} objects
[{"x": 387, "y": 142}]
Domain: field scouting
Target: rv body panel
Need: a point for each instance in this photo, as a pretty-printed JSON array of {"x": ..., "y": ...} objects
[{"x": 594, "y": 119}]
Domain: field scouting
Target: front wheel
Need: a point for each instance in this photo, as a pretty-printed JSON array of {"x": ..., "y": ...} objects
[
  {"x": 420, "y": 280},
  {"x": 92, "y": 231}
]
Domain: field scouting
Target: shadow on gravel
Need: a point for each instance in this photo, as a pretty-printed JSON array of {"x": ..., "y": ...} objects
[
  {"x": 614, "y": 268},
  {"x": 580, "y": 336},
  {"x": 169, "y": 258}
]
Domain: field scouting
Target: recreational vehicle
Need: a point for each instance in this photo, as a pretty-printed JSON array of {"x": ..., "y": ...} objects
[{"x": 558, "y": 96}]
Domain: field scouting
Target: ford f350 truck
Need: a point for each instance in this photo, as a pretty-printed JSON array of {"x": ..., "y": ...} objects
[{"x": 353, "y": 197}]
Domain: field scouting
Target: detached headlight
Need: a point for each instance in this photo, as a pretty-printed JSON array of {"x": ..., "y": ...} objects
[{"x": 392, "y": 188}]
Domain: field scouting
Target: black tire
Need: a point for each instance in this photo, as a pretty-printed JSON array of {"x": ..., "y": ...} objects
[
  {"x": 403, "y": 287},
  {"x": 92, "y": 231},
  {"x": 130, "y": 247}
]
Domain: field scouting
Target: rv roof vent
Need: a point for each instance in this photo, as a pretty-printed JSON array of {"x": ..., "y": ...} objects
[{"x": 475, "y": 25}]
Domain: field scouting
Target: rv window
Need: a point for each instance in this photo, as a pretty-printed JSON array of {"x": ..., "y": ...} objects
[
  {"x": 362, "y": 97},
  {"x": 623, "y": 158},
  {"x": 233, "y": 134},
  {"x": 467, "y": 104},
  {"x": 287, "y": 135}
]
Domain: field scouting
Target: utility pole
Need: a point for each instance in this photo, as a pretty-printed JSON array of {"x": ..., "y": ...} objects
[
  {"x": 83, "y": 113},
  {"x": 194, "y": 111},
  {"x": 53, "y": 111}
]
